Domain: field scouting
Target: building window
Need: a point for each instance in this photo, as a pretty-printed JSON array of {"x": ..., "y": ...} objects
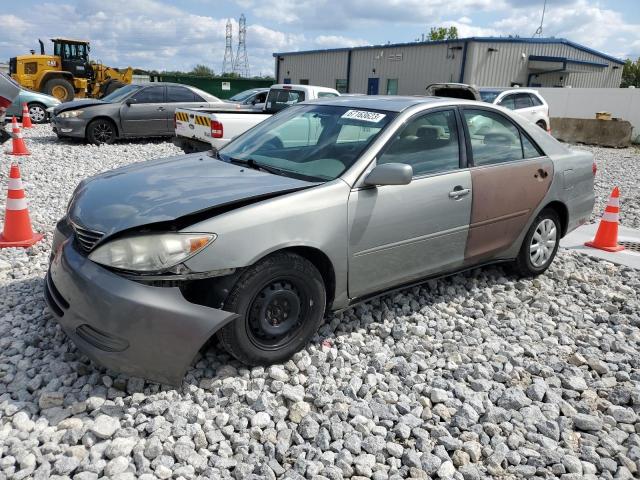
[
  {"x": 287, "y": 80},
  {"x": 304, "y": 81},
  {"x": 392, "y": 86},
  {"x": 341, "y": 85}
]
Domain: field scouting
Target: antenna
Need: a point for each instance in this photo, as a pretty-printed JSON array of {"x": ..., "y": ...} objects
[
  {"x": 227, "y": 63},
  {"x": 538, "y": 31},
  {"x": 241, "y": 62}
]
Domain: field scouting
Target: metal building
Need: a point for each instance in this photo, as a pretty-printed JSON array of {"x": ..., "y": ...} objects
[{"x": 407, "y": 68}]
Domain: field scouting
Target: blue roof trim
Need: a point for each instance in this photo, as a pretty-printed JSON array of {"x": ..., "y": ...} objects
[
  {"x": 544, "y": 58},
  {"x": 562, "y": 41}
]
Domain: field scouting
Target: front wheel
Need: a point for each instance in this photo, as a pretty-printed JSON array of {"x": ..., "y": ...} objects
[
  {"x": 101, "y": 131},
  {"x": 540, "y": 245},
  {"x": 281, "y": 302}
]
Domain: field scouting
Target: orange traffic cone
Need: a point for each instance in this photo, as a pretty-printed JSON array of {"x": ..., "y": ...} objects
[
  {"x": 19, "y": 147},
  {"x": 607, "y": 234},
  {"x": 26, "y": 118},
  {"x": 17, "y": 230}
]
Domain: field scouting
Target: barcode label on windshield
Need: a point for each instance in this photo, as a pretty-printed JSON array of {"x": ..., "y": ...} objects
[{"x": 364, "y": 115}]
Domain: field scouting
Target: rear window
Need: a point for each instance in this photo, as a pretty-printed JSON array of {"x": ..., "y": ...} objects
[
  {"x": 279, "y": 99},
  {"x": 489, "y": 95}
]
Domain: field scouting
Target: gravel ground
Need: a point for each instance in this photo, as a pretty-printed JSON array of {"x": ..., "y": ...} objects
[{"x": 476, "y": 376}]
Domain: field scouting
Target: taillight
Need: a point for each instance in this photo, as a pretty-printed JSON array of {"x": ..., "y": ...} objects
[
  {"x": 594, "y": 168},
  {"x": 216, "y": 129}
]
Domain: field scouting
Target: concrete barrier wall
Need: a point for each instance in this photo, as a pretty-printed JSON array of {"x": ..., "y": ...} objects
[
  {"x": 605, "y": 133},
  {"x": 585, "y": 102}
]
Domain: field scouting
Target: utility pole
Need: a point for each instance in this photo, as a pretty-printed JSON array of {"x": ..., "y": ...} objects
[
  {"x": 241, "y": 62},
  {"x": 227, "y": 63}
]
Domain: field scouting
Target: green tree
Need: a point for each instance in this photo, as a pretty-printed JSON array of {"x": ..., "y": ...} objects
[
  {"x": 631, "y": 73},
  {"x": 443, "y": 33},
  {"x": 202, "y": 70}
]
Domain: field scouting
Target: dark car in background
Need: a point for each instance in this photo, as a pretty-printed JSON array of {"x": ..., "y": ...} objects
[{"x": 137, "y": 110}]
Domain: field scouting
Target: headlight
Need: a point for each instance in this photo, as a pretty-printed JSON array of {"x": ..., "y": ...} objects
[
  {"x": 151, "y": 253},
  {"x": 70, "y": 114}
]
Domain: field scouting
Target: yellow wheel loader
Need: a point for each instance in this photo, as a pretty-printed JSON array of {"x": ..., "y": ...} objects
[{"x": 68, "y": 73}]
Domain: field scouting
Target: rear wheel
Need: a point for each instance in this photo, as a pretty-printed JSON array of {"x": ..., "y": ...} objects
[
  {"x": 281, "y": 302},
  {"x": 101, "y": 131},
  {"x": 60, "y": 88},
  {"x": 37, "y": 112},
  {"x": 540, "y": 245}
]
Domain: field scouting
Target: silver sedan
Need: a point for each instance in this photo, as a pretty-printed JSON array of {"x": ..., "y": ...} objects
[
  {"x": 137, "y": 110},
  {"x": 322, "y": 206}
]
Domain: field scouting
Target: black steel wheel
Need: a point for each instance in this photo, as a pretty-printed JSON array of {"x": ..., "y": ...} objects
[
  {"x": 101, "y": 131},
  {"x": 281, "y": 302}
]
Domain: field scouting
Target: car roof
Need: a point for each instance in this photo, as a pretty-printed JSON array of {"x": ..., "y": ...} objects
[
  {"x": 507, "y": 89},
  {"x": 392, "y": 103}
]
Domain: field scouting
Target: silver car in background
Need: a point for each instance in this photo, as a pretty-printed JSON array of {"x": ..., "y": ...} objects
[
  {"x": 323, "y": 205},
  {"x": 136, "y": 110}
]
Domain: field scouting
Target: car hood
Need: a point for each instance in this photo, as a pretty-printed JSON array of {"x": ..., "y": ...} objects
[
  {"x": 167, "y": 189},
  {"x": 75, "y": 104}
]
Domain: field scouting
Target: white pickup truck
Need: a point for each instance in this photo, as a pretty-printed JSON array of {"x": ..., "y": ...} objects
[{"x": 204, "y": 129}]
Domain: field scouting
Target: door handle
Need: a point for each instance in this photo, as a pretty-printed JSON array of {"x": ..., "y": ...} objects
[
  {"x": 161, "y": 109},
  {"x": 459, "y": 192}
]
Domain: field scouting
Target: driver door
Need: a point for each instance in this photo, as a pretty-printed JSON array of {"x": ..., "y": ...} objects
[
  {"x": 402, "y": 233},
  {"x": 146, "y": 116}
]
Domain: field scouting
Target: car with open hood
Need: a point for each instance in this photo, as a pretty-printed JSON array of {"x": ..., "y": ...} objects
[
  {"x": 136, "y": 110},
  {"x": 324, "y": 205},
  {"x": 526, "y": 102}
]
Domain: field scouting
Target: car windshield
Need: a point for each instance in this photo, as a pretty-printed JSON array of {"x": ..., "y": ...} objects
[
  {"x": 121, "y": 93},
  {"x": 310, "y": 142},
  {"x": 489, "y": 95},
  {"x": 239, "y": 97}
]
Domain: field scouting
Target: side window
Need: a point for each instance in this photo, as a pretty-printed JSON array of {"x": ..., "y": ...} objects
[
  {"x": 508, "y": 102},
  {"x": 326, "y": 95},
  {"x": 495, "y": 139},
  {"x": 150, "y": 95},
  {"x": 523, "y": 100},
  {"x": 529, "y": 149},
  {"x": 179, "y": 94},
  {"x": 429, "y": 143},
  {"x": 536, "y": 100}
]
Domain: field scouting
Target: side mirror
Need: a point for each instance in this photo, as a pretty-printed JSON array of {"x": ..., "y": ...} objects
[
  {"x": 390, "y": 174},
  {"x": 130, "y": 101}
]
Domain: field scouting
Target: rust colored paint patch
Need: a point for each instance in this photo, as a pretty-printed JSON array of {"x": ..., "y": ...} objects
[{"x": 504, "y": 196}]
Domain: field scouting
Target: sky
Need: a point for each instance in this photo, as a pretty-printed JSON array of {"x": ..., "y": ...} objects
[{"x": 178, "y": 34}]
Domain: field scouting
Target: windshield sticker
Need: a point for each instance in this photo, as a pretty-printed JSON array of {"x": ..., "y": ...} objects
[{"x": 364, "y": 115}]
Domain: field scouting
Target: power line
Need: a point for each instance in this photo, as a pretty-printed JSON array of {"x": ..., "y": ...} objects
[{"x": 538, "y": 31}]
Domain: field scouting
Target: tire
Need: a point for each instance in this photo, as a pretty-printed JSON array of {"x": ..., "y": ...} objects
[
  {"x": 111, "y": 86},
  {"x": 281, "y": 302},
  {"x": 101, "y": 131},
  {"x": 542, "y": 124},
  {"x": 38, "y": 112},
  {"x": 525, "y": 264},
  {"x": 57, "y": 86}
]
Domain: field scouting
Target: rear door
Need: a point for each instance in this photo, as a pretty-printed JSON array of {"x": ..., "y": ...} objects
[
  {"x": 401, "y": 233},
  {"x": 147, "y": 115},
  {"x": 510, "y": 177},
  {"x": 180, "y": 97}
]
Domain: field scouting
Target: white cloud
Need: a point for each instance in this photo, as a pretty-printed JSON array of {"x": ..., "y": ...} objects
[{"x": 337, "y": 41}]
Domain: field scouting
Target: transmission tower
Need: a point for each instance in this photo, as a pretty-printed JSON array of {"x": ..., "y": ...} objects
[
  {"x": 241, "y": 61},
  {"x": 227, "y": 63}
]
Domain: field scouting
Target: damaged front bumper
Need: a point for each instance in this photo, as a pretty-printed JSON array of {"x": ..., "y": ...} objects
[{"x": 144, "y": 331}]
